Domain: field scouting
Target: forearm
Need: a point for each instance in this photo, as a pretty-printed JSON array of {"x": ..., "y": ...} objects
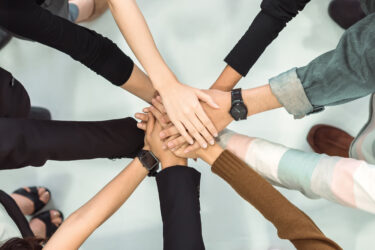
[
  {"x": 227, "y": 80},
  {"x": 79, "y": 226},
  {"x": 178, "y": 188},
  {"x": 29, "y": 142},
  {"x": 260, "y": 99},
  {"x": 135, "y": 30},
  {"x": 314, "y": 175},
  {"x": 140, "y": 85}
]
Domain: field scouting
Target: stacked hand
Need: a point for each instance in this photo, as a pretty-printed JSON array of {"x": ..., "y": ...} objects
[{"x": 170, "y": 135}]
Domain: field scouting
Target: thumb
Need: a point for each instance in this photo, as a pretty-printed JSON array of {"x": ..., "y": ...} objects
[{"x": 206, "y": 98}]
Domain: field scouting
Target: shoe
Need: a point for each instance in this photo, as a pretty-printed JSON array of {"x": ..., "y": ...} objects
[
  {"x": 325, "y": 139},
  {"x": 5, "y": 38},
  {"x": 362, "y": 147},
  {"x": 38, "y": 113},
  {"x": 345, "y": 12}
]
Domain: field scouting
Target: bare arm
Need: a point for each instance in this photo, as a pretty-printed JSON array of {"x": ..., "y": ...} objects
[
  {"x": 83, "y": 222},
  {"x": 181, "y": 101}
]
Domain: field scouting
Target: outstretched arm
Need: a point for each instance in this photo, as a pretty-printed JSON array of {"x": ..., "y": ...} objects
[
  {"x": 181, "y": 101},
  {"x": 314, "y": 175},
  {"x": 83, "y": 222}
]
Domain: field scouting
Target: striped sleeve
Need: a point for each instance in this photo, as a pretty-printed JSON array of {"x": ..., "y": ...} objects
[{"x": 342, "y": 180}]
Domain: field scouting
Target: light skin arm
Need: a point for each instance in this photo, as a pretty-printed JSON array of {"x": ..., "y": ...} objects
[
  {"x": 140, "y": 85},
  {"x": 181, "y": 101},
  {"x": 257, "y": 100},
  {"x": 83, "y": 222}
]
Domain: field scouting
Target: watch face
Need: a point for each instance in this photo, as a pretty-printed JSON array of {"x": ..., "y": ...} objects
[
  {"x": 239, "y": 111},
  {"x": 149, "y": 160}
]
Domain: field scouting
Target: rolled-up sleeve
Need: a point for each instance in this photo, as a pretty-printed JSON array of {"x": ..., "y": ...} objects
[{"x": 338, "y": 76}]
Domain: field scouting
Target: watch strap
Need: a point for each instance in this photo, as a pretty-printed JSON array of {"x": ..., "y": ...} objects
[{"x": 236, "y": 95}]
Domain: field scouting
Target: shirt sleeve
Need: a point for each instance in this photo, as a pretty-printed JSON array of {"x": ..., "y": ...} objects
[
  {"x": 272, "y": 19},
  {"x": 27, "y": 142},
  {"x": 314, "y": 175},
  {"x": 338, "y": 76},
  {"x": 178, "y": 188},
  {"x": 27, "y": 19},
  {"x": 291, "y": 223}
]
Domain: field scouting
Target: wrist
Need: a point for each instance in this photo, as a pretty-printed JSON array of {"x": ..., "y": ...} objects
[
  {"x": 210, "y": 154},
  {"x": 162, "y": 81}
]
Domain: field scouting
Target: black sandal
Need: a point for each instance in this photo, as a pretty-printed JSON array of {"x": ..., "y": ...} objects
[
  {"x": 33, "y": 195},
  {"x": 46, "y": 218}
]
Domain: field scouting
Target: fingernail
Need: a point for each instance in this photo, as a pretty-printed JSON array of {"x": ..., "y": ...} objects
[
  {"x": 191, "y": 142},
  {"x": 216, "y": 134},
  {"x": 170, "y": 144},
  {"x": 164, "y": 147},
  {"x": 186, "y": 151},
  {"x": 205, "y": 145},
  {"x": 136, "y": 116},
  {"x": 212, "y": 142},
  {"x": 162, "y": 134},
  {"x": 173, "y": 149}
]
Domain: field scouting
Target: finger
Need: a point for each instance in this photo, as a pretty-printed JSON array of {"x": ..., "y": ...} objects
[
  {"x": 159, "y": 117},
  {"x": 141, "y": 116},
  {"x": 146, "y": 110},
  {"x": 150, "y": 125},
  {"x": 157, "y": 104},
  {"x": 142, "y": 125},
  {"x": 208, "y": 124},
  {"x": 176, "y": 143},
  {"x": 192, "y": 148},
  {"x": 181, "y": 129},
  {"x": 206, "y": 98},
  {"x": 194, "y": 132},
  {"x": 171, "y": 131}
]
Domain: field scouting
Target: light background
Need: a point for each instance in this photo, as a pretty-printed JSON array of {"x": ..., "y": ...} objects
[{"x": 194, "y": 37}]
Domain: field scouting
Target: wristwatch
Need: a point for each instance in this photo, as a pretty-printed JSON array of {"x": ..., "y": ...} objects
[
  {"x": 238, "y": 110},
  {"x": 149, "y": 161}
]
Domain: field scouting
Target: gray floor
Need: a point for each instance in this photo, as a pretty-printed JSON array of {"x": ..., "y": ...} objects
[{"x": 194, "y": 37}]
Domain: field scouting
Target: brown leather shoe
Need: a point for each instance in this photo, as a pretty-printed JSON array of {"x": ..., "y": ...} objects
[
  {"x": 325, "y": 139},
  {"x": 345, "y": 12}
]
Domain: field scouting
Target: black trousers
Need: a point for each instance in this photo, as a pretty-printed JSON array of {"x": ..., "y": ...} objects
[
  {"x": 178, "y": 188},
  {"x": 25, "y": 18},
  {"x": 26, "y": 142}
]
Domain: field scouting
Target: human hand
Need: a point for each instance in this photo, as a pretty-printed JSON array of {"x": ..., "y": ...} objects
[
  {"x": 154, "y": 143},
  {"x": 182, "y": 105},
  {"x": 220, "y": 117}
]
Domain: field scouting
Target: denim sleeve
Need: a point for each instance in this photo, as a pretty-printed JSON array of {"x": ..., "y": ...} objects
[
  {"x": 336, "y": 77},
  {"x": 368, "y": 6}
]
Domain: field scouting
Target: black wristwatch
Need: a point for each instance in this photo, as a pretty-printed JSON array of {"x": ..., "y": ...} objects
[
  {"x": 149, "y": 161},
  {"x": 238, "y": 110}
]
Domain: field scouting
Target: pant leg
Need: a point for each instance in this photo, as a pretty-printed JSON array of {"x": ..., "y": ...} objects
[
  {"x": 27, "y": 19},
  {"x": 14, "y": 100}
]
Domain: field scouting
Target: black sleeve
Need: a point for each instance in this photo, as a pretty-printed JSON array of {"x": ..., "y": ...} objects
[
  {"x": 180, "y": 209},
  {"x": 26, "y": 142},
  {"x": 14, "y": 100},
  {"x": 27, "y": 19},
  {"x": 267, "y": 25}
]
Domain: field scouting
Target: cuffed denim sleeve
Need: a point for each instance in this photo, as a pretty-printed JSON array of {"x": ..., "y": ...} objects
[
  {"x": 289, "y": 91},
  {"x": 338, "y": 76}
]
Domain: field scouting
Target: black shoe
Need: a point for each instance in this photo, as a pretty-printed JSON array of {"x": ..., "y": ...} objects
[
  {"x": 5, "y": 37},
  {"x": 38, "y": 113},
  {"x": 345, "y": 12}
]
